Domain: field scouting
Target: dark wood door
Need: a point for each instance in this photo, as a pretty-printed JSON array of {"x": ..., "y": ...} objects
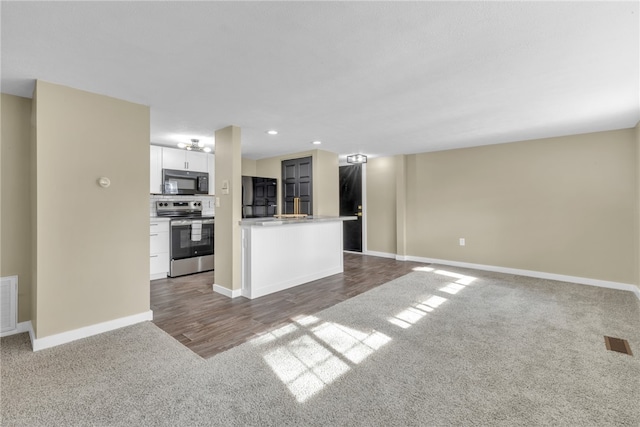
[
  {"x": 297, "y": 180},
  {"x": 350, "y": 205}
]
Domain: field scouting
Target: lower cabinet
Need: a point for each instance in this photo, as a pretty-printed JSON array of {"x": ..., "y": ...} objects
[{"x": 159, "y": 249}]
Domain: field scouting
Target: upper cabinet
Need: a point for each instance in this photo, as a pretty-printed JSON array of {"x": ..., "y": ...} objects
[
  {"x": 171, "y": 158},
  {"x": 179, "y": 159},
  {"x": 155, "y": 170}
]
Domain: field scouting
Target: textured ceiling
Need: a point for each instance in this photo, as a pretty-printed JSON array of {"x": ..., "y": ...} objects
[{"x": 380, "y": 78}]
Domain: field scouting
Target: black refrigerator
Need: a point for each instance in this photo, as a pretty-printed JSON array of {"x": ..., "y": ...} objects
[{"x": 259, "y": 197}]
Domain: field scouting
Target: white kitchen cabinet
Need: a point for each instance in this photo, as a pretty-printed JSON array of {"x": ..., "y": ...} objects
[
  {"x": 159, "y": 248},
  {"x": 173, "y": 158},
  {"x": 197, "y": 161},
  {"x": 212, "y": 174},
  {"x": 155, "y": 170}
]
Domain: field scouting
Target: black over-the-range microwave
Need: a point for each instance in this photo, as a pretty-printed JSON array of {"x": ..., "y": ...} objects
[{"x": 184, "y": 182}]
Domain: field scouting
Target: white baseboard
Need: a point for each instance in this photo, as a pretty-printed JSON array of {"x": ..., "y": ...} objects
[
  {"x": 402, "y": 258},
  {"x": 87, "y": 331},
  {"x": 537, "y": 274},
  {"x": 157, "y": 276},
  {"x": 354, "y": 252},
  {"x": 20, "y": 328},
  {"x": 380, "y": 254},
  {"x": 296, "y": 281},
  {"x": 235, "y": 293}
]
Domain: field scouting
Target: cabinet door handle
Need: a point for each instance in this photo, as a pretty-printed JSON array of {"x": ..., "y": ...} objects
[
  {"x": 154, "y": 235},
  {"x": 153, "y": 256},
  {"x": 153, "y": 225}
]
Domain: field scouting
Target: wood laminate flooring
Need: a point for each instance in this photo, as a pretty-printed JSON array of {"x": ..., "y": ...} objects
[{"x": 209, "y": 323}]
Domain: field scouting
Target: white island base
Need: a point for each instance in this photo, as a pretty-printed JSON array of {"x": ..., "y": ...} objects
[{"x": 280, "y": 254}]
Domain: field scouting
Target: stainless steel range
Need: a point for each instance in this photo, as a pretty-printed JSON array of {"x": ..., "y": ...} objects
[{"x": 191, "y": 236}]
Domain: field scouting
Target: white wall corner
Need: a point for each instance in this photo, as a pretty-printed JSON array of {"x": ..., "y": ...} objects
[
  {"x": 87, "y": 331},
  {"x": 226, "y": 291}
]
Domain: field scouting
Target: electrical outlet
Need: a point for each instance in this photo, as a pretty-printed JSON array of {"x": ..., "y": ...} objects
[
  {"x": 217, "y": 202},
  {"x": 462, "y": 242}
]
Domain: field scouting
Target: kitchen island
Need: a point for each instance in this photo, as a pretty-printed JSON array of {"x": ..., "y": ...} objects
[{"x": 279, "y": 253}]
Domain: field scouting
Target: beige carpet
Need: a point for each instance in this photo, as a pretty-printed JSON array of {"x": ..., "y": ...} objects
[{"x": 441, "y": 347}]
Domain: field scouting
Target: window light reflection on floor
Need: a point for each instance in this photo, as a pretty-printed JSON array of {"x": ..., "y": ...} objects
[
  {"x": 308, "y": 363},
  {"x": 462, "y": 279},
  {"x": 326, "y": 351},
  {"x": 452, "y": 288},
  {"x": 305, "y": 366},
  {"x": 275, "y": 334},
  {"x": 408, "y": 317},
  {"x": 352, "y": 344},
  {"x": 411, "y": 315},
  {"x": 427, "y": 269}
]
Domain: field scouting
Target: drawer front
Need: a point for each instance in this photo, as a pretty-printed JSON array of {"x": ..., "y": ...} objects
[
  {"x": 158, "y": 243},
  {"x": 159, "y": 263},
  {"x": 159, "y": 226}
]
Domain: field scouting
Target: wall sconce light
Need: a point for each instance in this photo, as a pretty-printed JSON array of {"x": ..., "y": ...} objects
[{"x": 357, "y": 158}]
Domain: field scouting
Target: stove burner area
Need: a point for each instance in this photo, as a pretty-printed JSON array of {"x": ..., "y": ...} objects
[{"x": 179, "y": 209}]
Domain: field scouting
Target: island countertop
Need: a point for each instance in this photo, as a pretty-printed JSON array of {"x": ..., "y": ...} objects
[{"x": 272, "y": 221}]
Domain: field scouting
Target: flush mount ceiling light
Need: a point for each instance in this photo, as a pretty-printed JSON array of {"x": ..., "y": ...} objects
[
  {"x": 195, "y": 145},
  {"x": 316, "y": 142},
  {"x": 272, "y": 132},
  {"x": 357, "y": 158}
]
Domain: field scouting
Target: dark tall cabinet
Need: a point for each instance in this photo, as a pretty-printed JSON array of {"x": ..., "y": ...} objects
[{"x": 297, "y": 181}]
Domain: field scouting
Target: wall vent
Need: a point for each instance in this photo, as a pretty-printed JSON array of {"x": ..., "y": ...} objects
[
  {"x": 618, "y": 344},
  {"x": 8, "y": 304}
]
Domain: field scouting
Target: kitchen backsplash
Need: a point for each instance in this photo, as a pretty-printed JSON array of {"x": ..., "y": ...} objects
[{"x": 208, "y": 202}]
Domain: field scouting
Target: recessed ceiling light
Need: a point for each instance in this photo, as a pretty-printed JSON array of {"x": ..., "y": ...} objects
[
  {"x": 272, "y": 132},
  {"x": 316, "y": 142}
]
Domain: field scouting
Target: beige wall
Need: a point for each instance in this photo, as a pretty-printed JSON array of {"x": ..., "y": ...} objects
[
  {"x": 16, "y": 201},
  {"x": 326, "y": 200},
  {"x": 249, "y": 167},
  {"x": 92, "y": 243},
  {"x": 228, "y": 214},
  {"x": 381, "y": 205},
  {"x": 326, "y": 184},
  {"x": 560, "y": 205}
]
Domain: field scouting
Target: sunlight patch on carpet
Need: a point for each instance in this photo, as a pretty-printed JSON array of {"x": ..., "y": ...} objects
[
  {"x": 408, "y": 317},
  {"x": 309, "y": 363},
  {"x": 352, "y": 344},
  {"x": 462, "y": 279}
]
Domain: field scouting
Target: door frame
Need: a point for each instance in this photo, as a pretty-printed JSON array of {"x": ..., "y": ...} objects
[{"x": 364, "y": 209}]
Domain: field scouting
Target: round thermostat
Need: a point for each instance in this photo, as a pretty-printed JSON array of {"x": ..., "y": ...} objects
[{"x": 104, "y": 182}]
